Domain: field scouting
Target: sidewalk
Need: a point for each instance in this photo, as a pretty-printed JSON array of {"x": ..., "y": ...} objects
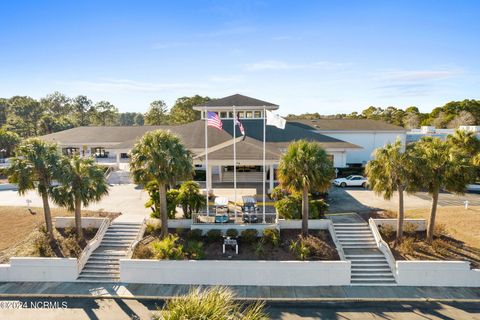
[{"x": 299, "y": 294}]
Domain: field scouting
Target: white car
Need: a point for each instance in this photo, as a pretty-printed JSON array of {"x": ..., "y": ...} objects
[
  {"x": 351, "y": 181},
  {"x": 474, "y": 187}
]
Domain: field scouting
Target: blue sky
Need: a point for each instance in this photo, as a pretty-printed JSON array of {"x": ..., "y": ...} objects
[{"x": 307, "y": 56}]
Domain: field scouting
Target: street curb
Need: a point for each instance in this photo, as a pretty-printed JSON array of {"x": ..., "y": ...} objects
[{"x": 244, "y": 299}]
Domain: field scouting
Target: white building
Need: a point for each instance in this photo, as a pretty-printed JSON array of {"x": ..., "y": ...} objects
[{"x": 368, "y": 134}]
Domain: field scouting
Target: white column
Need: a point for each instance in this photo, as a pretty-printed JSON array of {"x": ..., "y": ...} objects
[
  {"x": 271, "y": 177},
  {"x": 118, "y": 159},
  {"x": 220, "y": 173}
]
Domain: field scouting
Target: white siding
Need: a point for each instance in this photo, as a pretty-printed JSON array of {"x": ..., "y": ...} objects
[{"x": 369, "y": 141}]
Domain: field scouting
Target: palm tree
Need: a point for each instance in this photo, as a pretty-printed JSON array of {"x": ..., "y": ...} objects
[
  {"x": 160, "y": 156},
  {"x": 82, "y": 181},
  {"x": 33, "y": 168},
  {"x": 465, "y": 141},
  {"x": 439, "y": 165},
  {"x": 304, "y": 168},
  {"x": 390, "y": 171}
]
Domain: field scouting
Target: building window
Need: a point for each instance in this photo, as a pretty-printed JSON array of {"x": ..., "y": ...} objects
[
  {"x": 70, "y": 151},
  {"x": 249, "y": 114},
  {"x": 230, "y": 114},
  {"x": 99, "y": 152},
  {"x": 241, "y": 114},
  {"x": 223, "y": 115},
  {"x": 257, "y": 114}
]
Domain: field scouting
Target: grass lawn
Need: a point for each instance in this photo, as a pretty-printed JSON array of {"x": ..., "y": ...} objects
[
  {"x": 17, "y": 224},
  {"x": 461, "y": 224},
  {"x": 457, "y": 236}
]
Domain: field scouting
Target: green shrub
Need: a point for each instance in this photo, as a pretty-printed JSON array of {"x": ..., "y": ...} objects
[
  {"x": 278, "y": 193},
  {"x": 154, "y": 201},
  {"x": 260, "y": 249},
  {"x": 212, "y": 303},
  {"x": 271, "y": 236},
  {"x": 299, "y": 249},
  {"x": 143, "y": 252},
  {"x": 249, "y": 235},
  {"x": 195, "y": 234},
  {"x": 318, "y": 248},
  {"x": 317, "y": 208},
  {"x": 168, "y": 248},
  {"x": 152, "y": 228},
  {"x": 69, "y": 231},
  {"x": 233, "y": 233},
  {"x": 195, "y": 250},
  {"x": 289, "y": 207},
  {"x": 190, "y": 198},
  {"x": 214, "y": 235}
]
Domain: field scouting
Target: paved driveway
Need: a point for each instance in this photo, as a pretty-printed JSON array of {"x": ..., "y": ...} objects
[
  {"x": 128, "y": 199},
  {"x": 353, "y": 199}
]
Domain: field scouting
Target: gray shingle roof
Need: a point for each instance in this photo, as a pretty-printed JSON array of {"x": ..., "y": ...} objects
[
  {"x": 193, "y": 135},
  {"x": 346, "y": 125},
  {"x": 237, "y": 100}
]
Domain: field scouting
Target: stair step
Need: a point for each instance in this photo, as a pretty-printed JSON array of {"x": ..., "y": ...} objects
[
  {"x": 127, "y": 238},
  {"x": 365, "y": 255},
  {"x": 370, "y": 270},
  {"x": 358, "y": 247},
  {"x": 102, "y": 265},
  {"x": 111, "y": 254},
  {"x": 101, "y": 272},
  {"x": 350, "y": 224},
  {"x": 121, "y": 233},
  {"x": 370, "y": 263},
  {"x": 379, "y": 275}
]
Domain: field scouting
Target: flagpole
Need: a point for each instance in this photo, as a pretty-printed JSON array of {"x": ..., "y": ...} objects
[
  {"x": 234, "y": 164},
  {"x": 206, "y": 157},
  {"x": 264, "y": 166}
]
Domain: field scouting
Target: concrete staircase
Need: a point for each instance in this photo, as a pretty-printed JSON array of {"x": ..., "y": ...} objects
[
  {"x": 243, "y": 176},
  {"x": 369, "y": 265},
  {"x": 104, "y": 263}
]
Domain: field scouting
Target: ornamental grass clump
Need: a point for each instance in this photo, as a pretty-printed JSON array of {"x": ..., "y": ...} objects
[{"x": 216, "y": 303}]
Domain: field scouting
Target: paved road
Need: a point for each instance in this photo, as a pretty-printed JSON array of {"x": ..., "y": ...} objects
[{"x": 79, "y": 309}]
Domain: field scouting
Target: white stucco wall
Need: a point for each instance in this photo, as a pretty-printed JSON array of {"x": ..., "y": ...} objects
[
  {"x": 39, "y": 269},
  {"x": 437, "y": 274},
  {"x": 369, "y": 141},
  {"x": 216, "y": 272}
]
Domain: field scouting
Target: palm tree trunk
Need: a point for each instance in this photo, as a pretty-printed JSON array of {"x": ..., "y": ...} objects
[
  {"x": 78, "y": 218},
  {"x": 162, "y": 195},
  {"x": 48, "y": 216},
  {"x": 305, "y": 212},
  {"x": 433, "y": 214},
  {"x": 401, "y": 216}
]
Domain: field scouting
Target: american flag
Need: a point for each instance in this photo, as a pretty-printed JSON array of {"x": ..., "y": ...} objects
[{"x": 213, "y": 120}]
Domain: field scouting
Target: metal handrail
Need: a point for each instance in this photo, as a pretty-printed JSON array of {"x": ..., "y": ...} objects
[
  {"x": 90, "y": 247},
  {"x": 383, "y": 247},
  {"x": 338, "y": 245},
  {"x": 139, "y": 236}
]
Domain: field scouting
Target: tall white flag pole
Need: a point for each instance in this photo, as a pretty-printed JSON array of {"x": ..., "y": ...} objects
[
  {"x": 206, "y": 157},
  {"x": 234, "y": 164},
  {"x": 264, "y": 166}
]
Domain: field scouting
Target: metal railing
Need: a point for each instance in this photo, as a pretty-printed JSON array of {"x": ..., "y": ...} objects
[
  {"x": 338, "y": 245},
  {"x": 92, "y": 245},
  {"x": 383, "y": 247},
  {"x": 137, "y": 239}
]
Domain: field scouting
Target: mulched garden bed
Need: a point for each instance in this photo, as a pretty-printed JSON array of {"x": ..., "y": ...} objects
[{"x": 321, "y": 247}]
